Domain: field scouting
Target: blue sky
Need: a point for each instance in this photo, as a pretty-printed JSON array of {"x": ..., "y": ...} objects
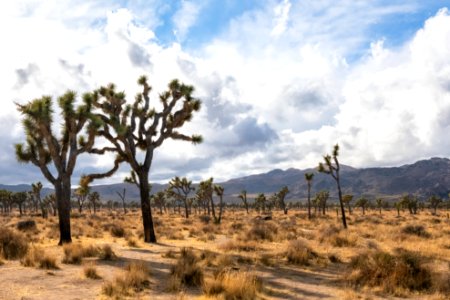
[{"x": 281, "y": 81}]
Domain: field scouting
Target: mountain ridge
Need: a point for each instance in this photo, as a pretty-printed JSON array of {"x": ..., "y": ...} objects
[{"x": 424, "y": 177}]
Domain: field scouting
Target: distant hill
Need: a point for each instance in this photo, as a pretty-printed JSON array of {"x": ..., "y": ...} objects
[{"x": 425, "y": 177}]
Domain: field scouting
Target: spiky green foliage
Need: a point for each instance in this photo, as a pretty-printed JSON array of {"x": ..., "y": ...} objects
[
  {"x": 141, "y": 128},
  {"x": 434, "y": 202},
  {"x": 279, "y": 198},
  {"x": 331, "y": 167}
]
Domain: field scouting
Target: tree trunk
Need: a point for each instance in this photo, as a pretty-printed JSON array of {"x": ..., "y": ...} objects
[
  {"x": 344, "y": 220},
  {"x": 147, "y": 220},
  {"x": 62, "y": 189},
  {"x": 309, "y": 201},
  {"x": 186, "y": 209}
]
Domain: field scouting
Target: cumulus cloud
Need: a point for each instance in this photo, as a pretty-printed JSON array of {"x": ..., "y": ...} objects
[{"x": 280, "y": 84}]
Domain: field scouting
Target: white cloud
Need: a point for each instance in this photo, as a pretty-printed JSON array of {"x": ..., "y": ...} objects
[
  {"x": 185, "y": 18},
  {"x": 298, "y": 90}
]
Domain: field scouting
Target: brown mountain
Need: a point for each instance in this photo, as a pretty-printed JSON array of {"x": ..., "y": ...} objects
[{"x": 425, "y": 177}]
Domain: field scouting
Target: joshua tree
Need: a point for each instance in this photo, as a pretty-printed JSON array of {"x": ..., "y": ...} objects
[
  {"x": 333, "y": 169},
  {"x": 219, "y": 192},
  {"x": 160, "y": 200},
  {"x": 309, "y": 178},
  {"x": 20, "y": 198},
  {"x": 94, "y": 200},
  {"x": 243, "y": 197},
  {"x": 43, "y": 147},
  {"x": 81, "y": 193},
  {"x": 140, "y": 128},
  {"x": 410, "y": 202},
  {"x": 205, "y": 195},
  {"x": 36, "y": 189},
  {"x": 347, "y": 199},
  {"x": 122, "y": 197},
  {"x": 380, "y": 203},
  {"x": 280, "y": 196},
  {"x": 434, "y": 202},
  {"x": 398, "y": 206},
  {"x": 362, "y": 202},
  {"x": 180, "y": 189},
  {"x": 260, "y": 202},
  {"x": 321, "y": 199}
]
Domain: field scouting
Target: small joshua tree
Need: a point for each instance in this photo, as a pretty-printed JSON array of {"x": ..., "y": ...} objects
[
  {"x": 122, "y": 197},
  {"x": 160, "y": 200},
  {"x": 140, "y": 129},
  {"x": 322, "y": 198},
  {"x": 309, "y": 178},
  {"x": 94, "y": 200},
  {"x": 36, "y": 189},
  {"x": 180, "y": 189},
  {"x": 243, "y": 197},
  {"x": 280, "y": 196},
  {"x": 260, "y": 202},
  {"x": 331, "y": 166},
  {"x": 81, "y": 194},
  {"x": 434, "y": 202},
  {"x": 347, "y": 199},
  {"x": 379, "y": 202},
  {"x": 362, "y": 202}
]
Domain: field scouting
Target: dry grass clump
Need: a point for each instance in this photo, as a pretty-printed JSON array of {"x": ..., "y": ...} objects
[
  {"x": 233, "y": 285},
  {"x": 337, "y": 237},
  {"x": 246, "y": 246},
  {"x": 262, "y": 230},
  {"x": 389, "y": 272},
  {"x": 205, "y": 219},
  {"x": 107, "y": 253},
  {"x": 13, "y": 245},
  {"x": 186, "y": 272},
  {"x": 117, "y": 230},
  {"x": 90, "y": 271},
  {"x": 27, "y": 225},
  {"x": 299, "y": 253},
  {"x": 37, "y": 257},
  {"x": 134, "y": 279},
  {"x": 74, "y": 253},
  {"x": 418, "y": 230}
]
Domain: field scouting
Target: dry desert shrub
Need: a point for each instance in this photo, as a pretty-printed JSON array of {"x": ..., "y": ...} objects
[
  {"x": 389, "y": 272},
  {"x": 74, "y": 253},
  {"x": 418, "y": 230},
  {"x": 186, "y": 272},
  {"x": 233, "y": 285},
  {"x": 27, "y": 225},
  {"x": 134, "y": 279},
  {"x": 232, "y": 245},
  {"x": 13, "y": 245},
  {"x": 262, "y": 230},
  {"x": 90, "y": 271},
  {"x": 298, "y": 252},
  {"x": 107, "y": 253},
  {"x": 36, "y": 257}
]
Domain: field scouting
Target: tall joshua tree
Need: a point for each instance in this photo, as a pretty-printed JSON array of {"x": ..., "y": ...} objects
[
  {"x": 180, "y": 189},
  {"x": 140, "y": 128},
  {"x": 43, "y": 146},
  {"x": 243, "y": 197},
  {"x": 331, "y": 166},
  {"x": 309, "y": 178}
]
